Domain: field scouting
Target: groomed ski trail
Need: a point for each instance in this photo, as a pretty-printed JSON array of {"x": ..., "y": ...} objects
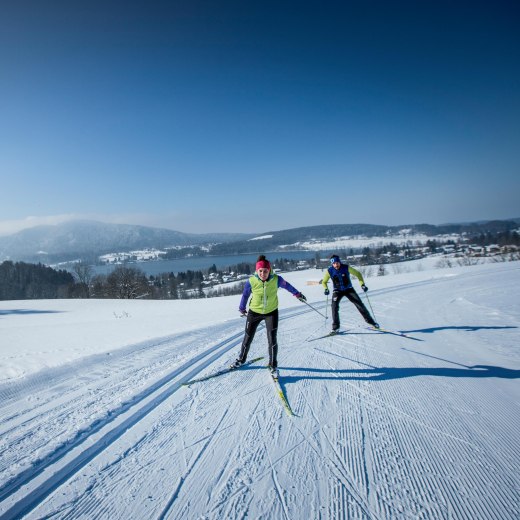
[{"x": 386, "y": 428}]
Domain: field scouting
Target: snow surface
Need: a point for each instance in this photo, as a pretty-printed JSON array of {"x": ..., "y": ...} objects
[
  {"x": 357, "y": 242},
  {"x": 263, "y": 237},
  {"x": 95, "y": 422}
]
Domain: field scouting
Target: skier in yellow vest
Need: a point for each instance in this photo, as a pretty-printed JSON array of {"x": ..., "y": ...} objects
[{"x": 263, "y": 306}]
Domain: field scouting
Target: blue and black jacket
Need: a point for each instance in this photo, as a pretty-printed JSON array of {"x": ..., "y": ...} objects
[{"x": 341, "y": 277}]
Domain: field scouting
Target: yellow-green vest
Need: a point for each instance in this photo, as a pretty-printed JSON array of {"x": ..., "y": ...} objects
[{"x": 264, "y": 295}]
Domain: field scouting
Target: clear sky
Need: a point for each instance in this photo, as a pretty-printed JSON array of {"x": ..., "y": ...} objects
[{"x": 249, "y": 116}]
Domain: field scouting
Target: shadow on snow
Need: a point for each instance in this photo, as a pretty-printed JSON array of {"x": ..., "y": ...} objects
[
  {"x": 466, "y": 328},
  {"x": 25, "y": 311},
  {"x": 388, "y": 373}
]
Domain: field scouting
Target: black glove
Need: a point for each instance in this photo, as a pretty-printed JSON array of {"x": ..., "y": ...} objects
[
  {"x": 327, "y": 292},
  {"x": 242, "y": 312},
  {"x": 301, "y": 297},
  {"x": 364, "y": 287}
]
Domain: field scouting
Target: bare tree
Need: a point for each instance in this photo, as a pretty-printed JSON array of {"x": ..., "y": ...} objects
[
  {"x": 127, "y": 283},
  {"x": 84, "y": 274}
]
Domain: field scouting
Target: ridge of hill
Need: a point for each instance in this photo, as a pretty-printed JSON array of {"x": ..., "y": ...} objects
[{"x": 87, "y": 240}]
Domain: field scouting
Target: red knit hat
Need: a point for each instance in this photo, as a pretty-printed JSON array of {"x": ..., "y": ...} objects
[{"x": 263, "y": 264}]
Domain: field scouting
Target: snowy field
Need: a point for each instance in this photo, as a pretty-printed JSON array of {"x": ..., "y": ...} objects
[
  {"x": 358, "y": 242},
  {"x": 95, "y": 422}
]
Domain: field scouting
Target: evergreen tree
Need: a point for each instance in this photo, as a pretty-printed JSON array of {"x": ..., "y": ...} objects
[{"x": 21, "y": 281}]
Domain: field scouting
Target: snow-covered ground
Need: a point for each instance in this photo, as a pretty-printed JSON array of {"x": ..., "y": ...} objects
[
  {"x": 357, "y": 242},
  {"x": 95, "y": 422}
]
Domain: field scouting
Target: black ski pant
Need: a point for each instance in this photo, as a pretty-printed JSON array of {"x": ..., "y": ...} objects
[
  {"x": 271, "y": 327},
  {"x": 352, "y": 295}
]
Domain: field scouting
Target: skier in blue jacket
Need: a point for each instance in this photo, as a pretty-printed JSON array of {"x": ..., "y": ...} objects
[{"x": 342, "y": 286}]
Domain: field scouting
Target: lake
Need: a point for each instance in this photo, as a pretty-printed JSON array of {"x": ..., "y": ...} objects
[{"x": 201, "y": 263}]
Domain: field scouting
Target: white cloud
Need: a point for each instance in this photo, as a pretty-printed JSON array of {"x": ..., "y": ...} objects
[
  {"x": 8, "y": 227},
  {"x": 186, "y": 222},
  {"x": 172, "y": 220}
]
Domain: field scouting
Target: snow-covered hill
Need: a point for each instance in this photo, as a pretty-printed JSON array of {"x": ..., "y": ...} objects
[
  {"x": 88, "y": 239},
  {"x": 95, "y": 422}
]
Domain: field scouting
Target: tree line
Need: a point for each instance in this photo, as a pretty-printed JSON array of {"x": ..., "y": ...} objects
[{"x": 24, "y": 281}]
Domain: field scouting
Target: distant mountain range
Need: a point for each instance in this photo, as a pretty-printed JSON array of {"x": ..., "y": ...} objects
[
  {"x": 274, "y": 240},
  {"x": 88, "y": 240}
]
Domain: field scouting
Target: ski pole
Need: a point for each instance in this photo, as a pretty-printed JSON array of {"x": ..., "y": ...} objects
[
  {"x": 370, "y": 305},
  {"x": 314, "y": 309},
  {"x": 327, "y": 308}
]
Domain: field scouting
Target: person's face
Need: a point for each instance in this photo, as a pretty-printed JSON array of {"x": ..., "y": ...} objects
[
  {"x": 336, "y": 265},
  {"x": 263, "y": 273}
]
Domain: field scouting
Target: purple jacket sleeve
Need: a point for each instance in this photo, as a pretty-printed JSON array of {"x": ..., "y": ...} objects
[
  {"x": 245, "y": 295},
  {"x": 287, "y": 286}
]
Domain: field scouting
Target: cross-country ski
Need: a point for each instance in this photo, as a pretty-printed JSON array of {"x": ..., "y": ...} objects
[
  {"x": 221, "y": 372},
  {"x": 281, "y": 394},
  {"x": 330, "y": 334},
  {"x": 393, "y": 332}
]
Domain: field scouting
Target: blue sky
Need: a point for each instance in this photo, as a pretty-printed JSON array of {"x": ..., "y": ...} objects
[{"x": 206, "y": 116}]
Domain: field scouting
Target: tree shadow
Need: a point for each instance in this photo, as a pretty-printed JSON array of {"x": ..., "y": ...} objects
[
  {"x": 389, "y": 373},
  {"x": 466, "y": 328},
  {"x": 6, "y": 312}
]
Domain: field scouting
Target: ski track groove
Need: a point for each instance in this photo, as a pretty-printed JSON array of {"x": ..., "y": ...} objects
[
  {"x": 61, "y": 411},
  {"x": 259, "y": 456},
  {"x": 227, "y": 500},
  {"x": 198, "y": 457},
  {"x": 172, "y": 380},
  {"x": 225, "y": 504},
  {"x": 230, "y": 499},
  {"x": 390, "y": 509},
  {"x": 278, "y": 488},
  {"x": 410, "y": 442},
  {"x": 218, "y": 491},
  {"x": 343, "y": 472},
  {"x": 178, "y": 414},
  {"x": 373, "y": 399}
]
